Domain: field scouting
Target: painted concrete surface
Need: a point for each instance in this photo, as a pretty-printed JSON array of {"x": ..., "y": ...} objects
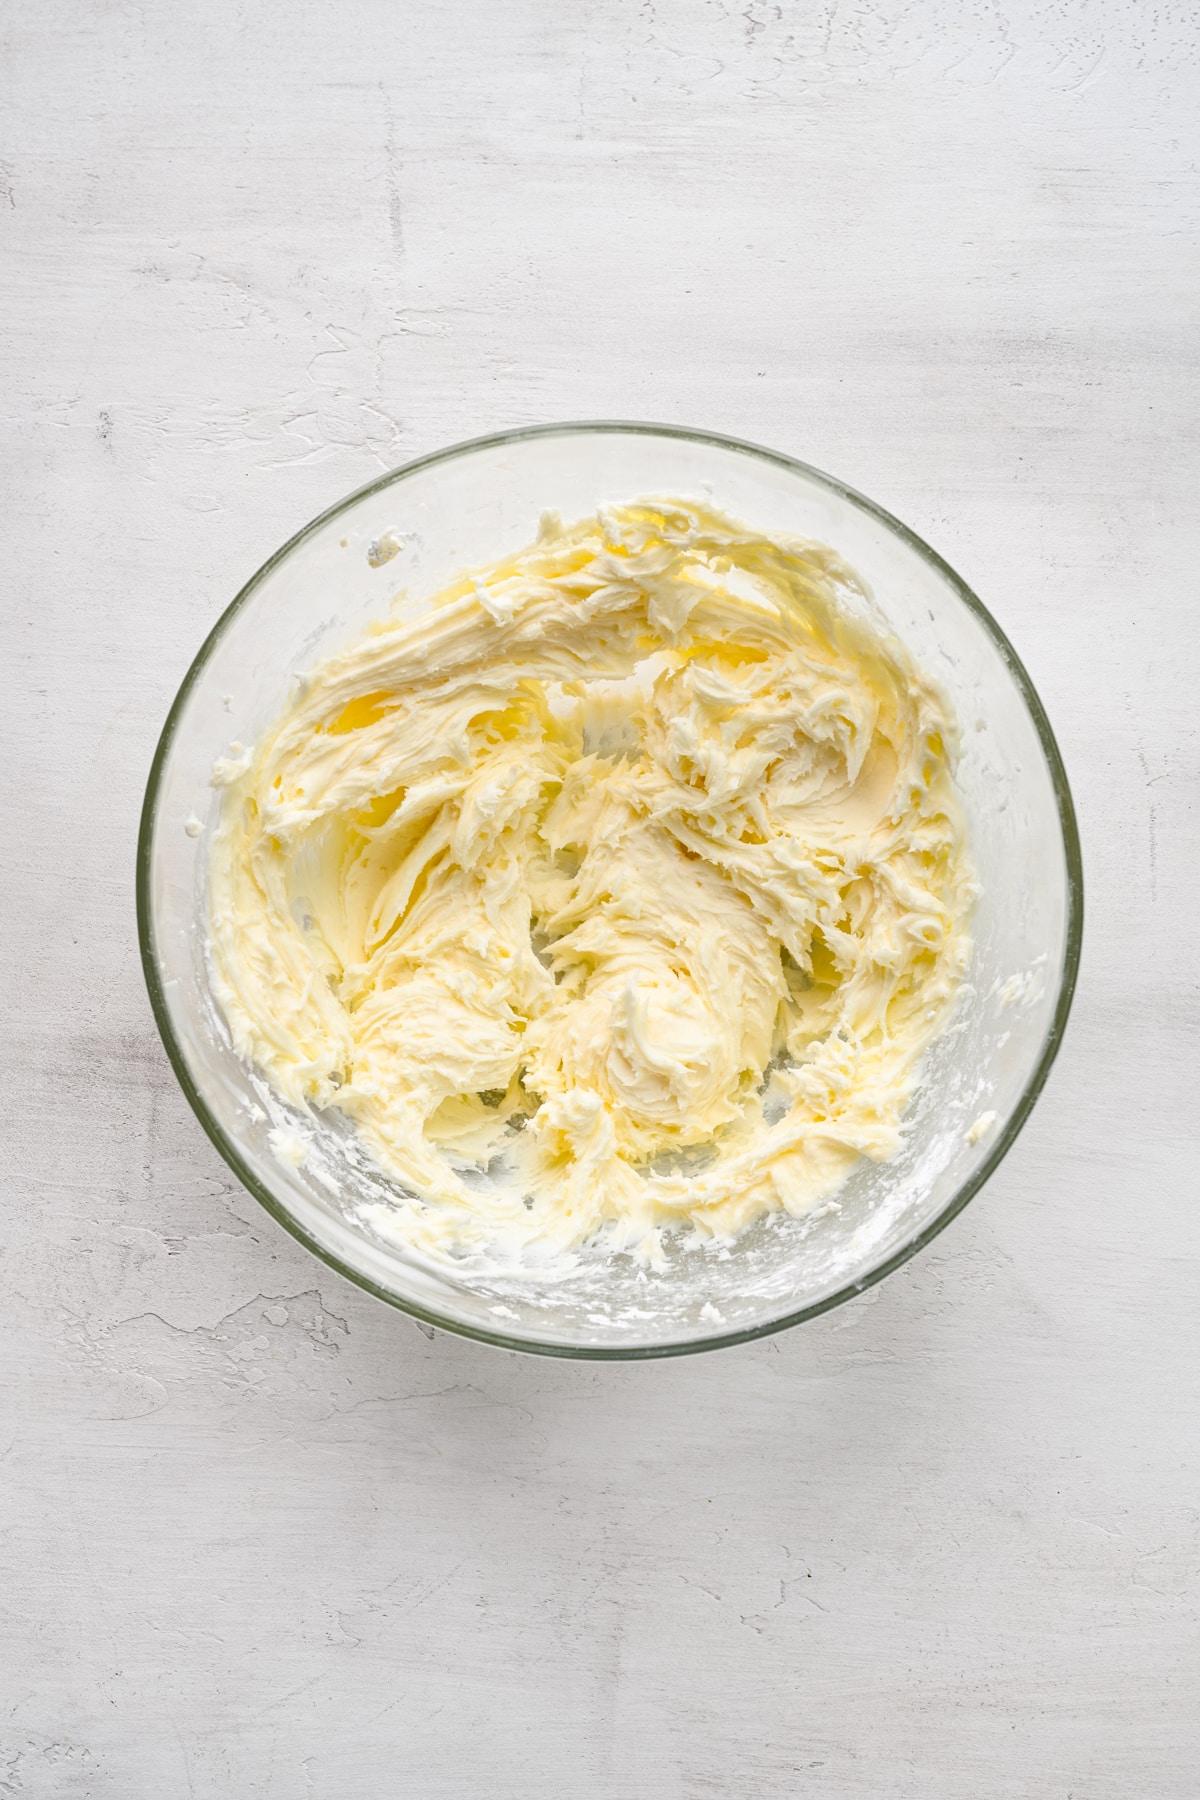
[{"x": 261, "y": 1537}]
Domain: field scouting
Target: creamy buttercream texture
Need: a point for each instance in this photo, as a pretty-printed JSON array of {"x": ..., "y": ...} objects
[{"x": 630, "y": 873}]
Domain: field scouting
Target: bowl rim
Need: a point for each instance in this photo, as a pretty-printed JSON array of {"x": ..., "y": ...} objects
[{"x": 1013, "y": 1124}]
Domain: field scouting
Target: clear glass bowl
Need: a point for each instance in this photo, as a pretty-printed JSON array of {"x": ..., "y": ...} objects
[{"x": 470, "y": 505}]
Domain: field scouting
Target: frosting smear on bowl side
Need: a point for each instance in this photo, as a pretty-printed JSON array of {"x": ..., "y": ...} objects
[{"x": 631, "y": 874}]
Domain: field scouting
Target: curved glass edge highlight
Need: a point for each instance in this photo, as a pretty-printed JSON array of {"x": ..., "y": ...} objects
[{"x": 1033, "y": 1087}]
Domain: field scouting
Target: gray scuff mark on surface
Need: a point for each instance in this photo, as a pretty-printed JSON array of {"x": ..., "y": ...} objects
[
  {"x": 393, "y": 168},
  {"x": 1151, "y": 822}
]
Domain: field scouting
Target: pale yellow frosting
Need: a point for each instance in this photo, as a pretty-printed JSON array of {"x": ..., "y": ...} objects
[{"x": 632, "y": 872}]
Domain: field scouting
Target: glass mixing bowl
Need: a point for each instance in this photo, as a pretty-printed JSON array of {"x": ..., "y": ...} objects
[{"x": 413, "y": 530}]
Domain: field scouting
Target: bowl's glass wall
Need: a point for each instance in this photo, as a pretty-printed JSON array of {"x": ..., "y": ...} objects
[{"x": 469, "y": 508}]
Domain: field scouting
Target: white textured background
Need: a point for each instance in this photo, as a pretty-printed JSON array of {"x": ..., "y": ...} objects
[{"x": 261, "y": 1537}]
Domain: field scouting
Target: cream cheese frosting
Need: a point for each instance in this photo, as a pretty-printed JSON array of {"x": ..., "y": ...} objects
[{"x": 622, "y": 889}]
